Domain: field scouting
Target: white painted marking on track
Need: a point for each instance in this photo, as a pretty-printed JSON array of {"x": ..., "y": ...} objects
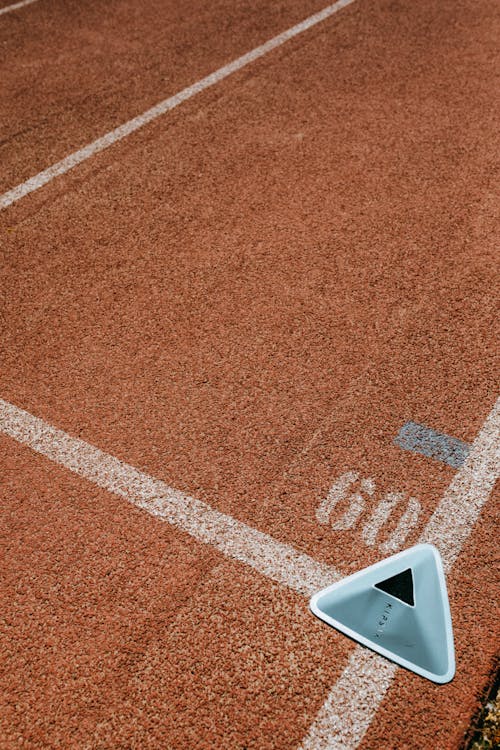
[
  {"x": 16, "y": 6},
  {"x": 350, "y": 518},
  {"x": 354, "y": 699},
  {"x": 107, "y": 140},
  {"x": 352, "y": 703},
  {"x": 451, "y": 522},
  {"x": 271, "y": 558}
]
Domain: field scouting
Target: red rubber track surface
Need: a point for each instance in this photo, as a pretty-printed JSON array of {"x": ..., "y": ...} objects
[
  {"x": 73, "y": 71},
  {"x": 246, "y": 299}
]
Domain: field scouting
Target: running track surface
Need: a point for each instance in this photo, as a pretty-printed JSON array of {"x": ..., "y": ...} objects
[{"x": 208, "y": 323}]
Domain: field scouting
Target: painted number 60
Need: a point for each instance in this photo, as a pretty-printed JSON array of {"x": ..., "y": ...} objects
[{"x": 342, "y": 489}]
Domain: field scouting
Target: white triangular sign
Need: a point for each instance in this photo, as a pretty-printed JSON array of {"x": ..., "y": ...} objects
[{"x": 399, "y": 608}]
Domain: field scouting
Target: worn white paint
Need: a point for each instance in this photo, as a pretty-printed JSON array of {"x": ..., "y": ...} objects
[{"x": 16, "y": 6}]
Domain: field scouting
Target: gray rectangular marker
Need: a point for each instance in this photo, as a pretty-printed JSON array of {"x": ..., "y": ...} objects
[{"x": 421, "y": 439}]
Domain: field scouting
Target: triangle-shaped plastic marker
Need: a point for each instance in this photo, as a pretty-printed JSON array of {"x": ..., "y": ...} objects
[{"x": 399, "y": 608}]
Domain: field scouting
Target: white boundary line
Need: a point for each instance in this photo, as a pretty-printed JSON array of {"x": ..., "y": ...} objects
[
  {"x": 354, "y": 700},
  {"x": 278, "y": 561},
  {"x": 107, "y": 140},
  {"x": 16, "y": 6}
]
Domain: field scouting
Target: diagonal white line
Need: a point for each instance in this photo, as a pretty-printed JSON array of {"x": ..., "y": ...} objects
[
  {"x": 278, "y": 561},
  {"x": 354, "y": 699},
  {"x": 107, "y": 140},
  {"x": 458, "y": 511},
  {"x": 16, "y": 6}
]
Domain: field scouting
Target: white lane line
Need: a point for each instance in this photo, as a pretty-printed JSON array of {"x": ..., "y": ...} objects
[
  {"x": 278, "y": 561},
  {"x": 452, "y": 521},
  {"x": 354, "y": 700},
  {"x": 16, "y": 6},
  {"x": 63, "y": 166}
]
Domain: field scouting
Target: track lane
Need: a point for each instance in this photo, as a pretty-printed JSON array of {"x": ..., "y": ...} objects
[
  {"x": 283, "y": 362},
  {"x": 119, "y": 630},
  {"x": 334, "y": 299},
  {"x": 70, "y": 73}
]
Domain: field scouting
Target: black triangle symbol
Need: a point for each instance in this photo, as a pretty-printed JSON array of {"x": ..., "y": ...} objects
[{"x": 400, "y": 586}]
